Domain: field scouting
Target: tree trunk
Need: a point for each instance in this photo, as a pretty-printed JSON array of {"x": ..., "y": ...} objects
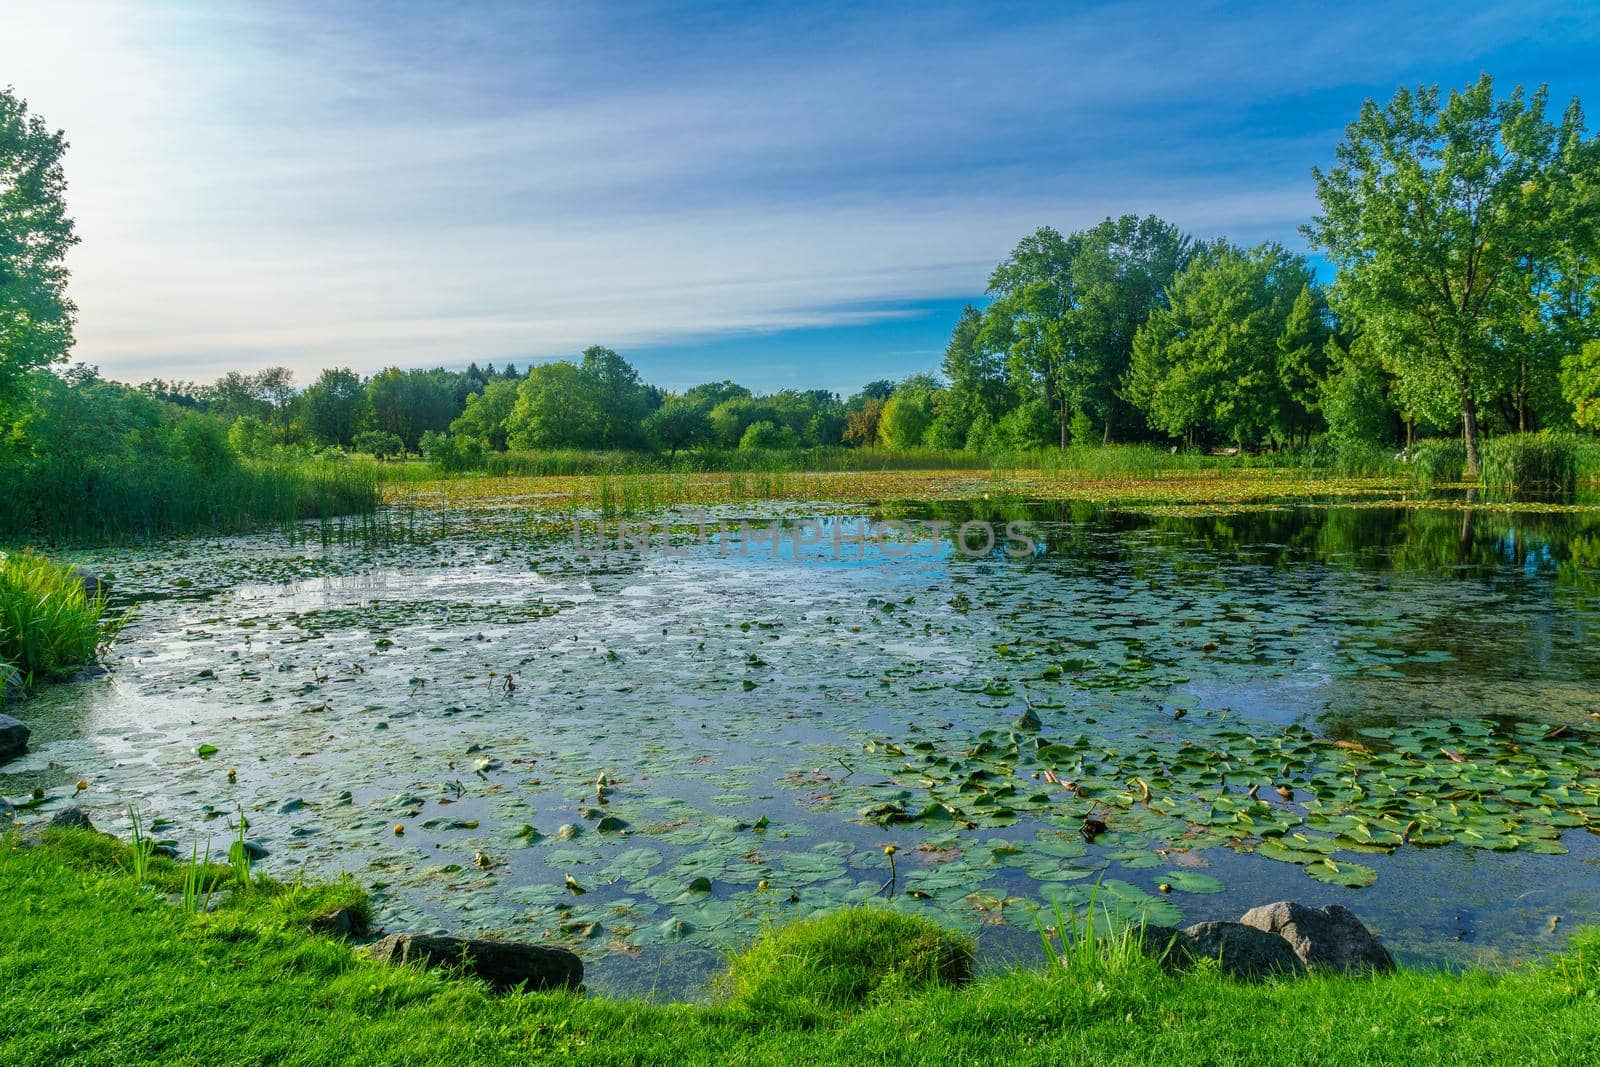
[{"x": 1469, "y": 433}]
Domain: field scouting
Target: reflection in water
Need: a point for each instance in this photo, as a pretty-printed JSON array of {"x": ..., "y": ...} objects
[{"x": 724, "y": 693}]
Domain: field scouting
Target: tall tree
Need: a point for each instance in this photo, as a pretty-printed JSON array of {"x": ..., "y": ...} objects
[
  {"x": 555, "y": 408},
  {"x": 620, "y": 398},
  {"x": 1027, "y": 317},
  {"x": 485, "y": 415},
  {"x": 1434, "y": 212},
  {"x": 1207, "y": 365},
  {"x": 36, "y": 316},
  {"x": 1120, "y": 271},
  {"x": 976, "y": 371},
  {"x": 333, "y": 406}
]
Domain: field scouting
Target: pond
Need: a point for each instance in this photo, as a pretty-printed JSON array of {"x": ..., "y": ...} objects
[{"x": 648, "y": 755}]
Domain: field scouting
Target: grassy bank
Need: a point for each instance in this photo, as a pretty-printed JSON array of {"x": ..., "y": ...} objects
[{"x": 96, "y": 969}]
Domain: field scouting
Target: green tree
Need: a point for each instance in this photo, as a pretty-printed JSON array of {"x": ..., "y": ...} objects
[
  {"x": 768, "y": 435},
  {"x": 679, "y": 423},
  {"x": 620, "y": 399},
  {"x": 555, "y": 408},
  {"x": 1302, "y": 363},
  {"x": 976, "y": 371},
  {"x": 486, "y": 414},
  {"x": 1580, "y": 384},
  {"x": 909, "y": 413},
  {"x": 333, "y": 407},
  {"x": 36, "y": 316},
  {"x": 1027, "y": 318},
  {"x": 1433, "y": 214},
  {"x": 1119, "y": 273},
  {"x": 714, "y": 393},
  {"x": 408, "y": 403},
  {"x": 1207, "y": 365},
  {"x": 1354, "y": 398}
]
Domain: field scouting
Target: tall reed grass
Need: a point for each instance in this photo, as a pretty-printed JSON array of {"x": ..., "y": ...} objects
[
  {"x": 131, "y": 499},
  {"x": 49, "y": 625},
  {"x": 1531, "y": 464}
]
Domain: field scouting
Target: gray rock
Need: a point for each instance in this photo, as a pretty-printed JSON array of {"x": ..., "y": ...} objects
[
  {"x": 1243, "y": 951},
  {"x": 505, "y": 965},
  {"x": 13, "y": 737},
  {"x": 168, "y": 851},
  {"x": 93, "y": 584},
  {"x": 1167, "y": 945},
  {"x": 1330, "y": 938},
  {"x": 341, "y": 922},
  {"x": 71, "y": 818}
]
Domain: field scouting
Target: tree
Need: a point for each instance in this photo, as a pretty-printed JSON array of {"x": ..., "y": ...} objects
[
  {"x": 1119, "y": 273},
  {"x": 976, "y": 371},
  {"x": 1434, "y": 214},
  {"x": 1354, "y": 397},
  {"x": 1027, "y": 318},
  {"x": 909, "y": 413},
  {"x": 1580, "y": 384},
  {"x": 555, "y": 408},
  {"x": 767, "y": 435},
  {"x": 679, "y": 423},
  {"x": 1208, "y": 363},
  {"x": 36, "y": 316},
  {"x": 486, "y": 414},
  {"x": 333, "y": 406},
  {"x": 861, "y": 427},
  {"x": 408, "y": 403},
  {"x": 714, "y": 393},
  {"x": 1302, "y": 362},
  {"x": 620, "y": 399}
]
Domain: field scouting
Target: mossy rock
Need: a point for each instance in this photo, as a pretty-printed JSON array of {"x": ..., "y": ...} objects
[{"x": 845, "y": 959}]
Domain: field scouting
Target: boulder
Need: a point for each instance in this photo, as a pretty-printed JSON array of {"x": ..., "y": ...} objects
[
  {"x": 1243, "y": 951},
  {"x": 13, "y": 737},
  {"x": 340, "y": 922},
  {"x": 1167, "y": 945},
  {"x": 93, "y": 584},
  {"x": 71, "y": 818},
  {"x": 1330, "y": 938},
  {"x": 505, "y": 965}
]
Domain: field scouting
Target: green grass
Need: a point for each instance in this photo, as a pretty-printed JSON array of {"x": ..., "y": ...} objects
[
  {"x": 116, "y": 499},
  {"x": 49, "y": 626},
  {"x": 95, "y": 968},
  {"x": 1520, "y": 465}
]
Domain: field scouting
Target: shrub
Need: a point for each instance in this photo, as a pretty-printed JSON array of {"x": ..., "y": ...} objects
[
  {"x": 1438, "y": 460},
  {"x": 767, "y": 435},
  {"x": 1531, "y": 463},
  {"x": 453, "y": 452},
  {"x": 200, "y": 442},
  {"x": 378, "y": 444},
  {"x": 49, "y": 626},
  {"x": 845, "y": 959}
]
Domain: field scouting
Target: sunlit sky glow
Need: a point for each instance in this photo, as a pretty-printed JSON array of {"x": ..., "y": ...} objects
[{"x": 788, "y": 198}]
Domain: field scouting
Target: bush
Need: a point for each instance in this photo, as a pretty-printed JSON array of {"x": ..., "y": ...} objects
[
  {"x": 767, "y": 435},
  {"x": 49, "y": 625},
  {"x": 452, "y": 453},
  {"x": 378, "y": 444},
  {"x": 200, "y": 442},
  {"x": 843, "y": 960},
  {"x": 1438, "y": 460},
  {"x": 1544, "y": 463}
]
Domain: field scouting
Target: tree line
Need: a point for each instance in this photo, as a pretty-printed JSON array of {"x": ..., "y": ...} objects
[{"x": 1462, "y": 228}]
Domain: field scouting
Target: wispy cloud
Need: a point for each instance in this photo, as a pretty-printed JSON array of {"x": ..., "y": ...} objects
[{"x": 319, "y": 184}]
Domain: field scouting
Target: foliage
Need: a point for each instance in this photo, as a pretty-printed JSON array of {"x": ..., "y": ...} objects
[
  {"x": 453, "y": 453},
  {"x": 49, "y": 625},
  {"x": 1520, "y": 465},
  {"x": 1441, "y": 215},
  {"x": 555, "y": 409},
  {"x": 680, "y": 423},
  {"x": 861, "y": 428},
  {"x": 767, "y": 435},
  {"x": 200, "y": 442},
  {"x": 409, "y": 403},
  {"x": 486, "y": 414},
  {"x": 379, "y": 444},
  {"x": 1580, "y": 384},
  {"x": 36, "y": 316},
  {"x": 1354, "y": 397},
  {"x": 333, "y": 407},
  {"x": 1208, "y": 366},
  {"x": 1434, "y": 461},
  {"x": 909, "y": 412}
]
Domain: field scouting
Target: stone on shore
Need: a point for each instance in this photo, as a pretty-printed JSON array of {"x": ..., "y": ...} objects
[
  {"x": 505, "y": 965},
  {"x": 1328, "y": 938}
]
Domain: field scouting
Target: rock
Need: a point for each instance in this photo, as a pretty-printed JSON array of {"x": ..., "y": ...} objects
[
  {"x": 13, "y": 737},
  {"x": 1244, "y": 951},
  {"x": 168, "y": 851},
  {"x": 341, "y": 922},
  {"x": 1167, "y": 945},
  {"x": 251, "y": 849},
  {"x": 505, "y": 965},
  {"x": 70, "y": 818},
  {"x": 1331, "y": 938},
  {"x": 93, "y": 584}
]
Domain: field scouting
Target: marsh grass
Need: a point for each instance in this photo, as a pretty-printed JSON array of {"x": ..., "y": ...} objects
[
  {"x": 128, "y": 500},
  {"x": 1531, "y": 464},
  {"x": 49, "y": 625}
]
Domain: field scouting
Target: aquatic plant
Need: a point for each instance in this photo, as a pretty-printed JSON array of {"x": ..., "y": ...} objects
[
  {"x": 1524, "y": 464},
  {"x": 49, "y": 624}
]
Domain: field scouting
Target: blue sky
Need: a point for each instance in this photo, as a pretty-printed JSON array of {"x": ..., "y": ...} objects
[{"x": 787, "y": 195}]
